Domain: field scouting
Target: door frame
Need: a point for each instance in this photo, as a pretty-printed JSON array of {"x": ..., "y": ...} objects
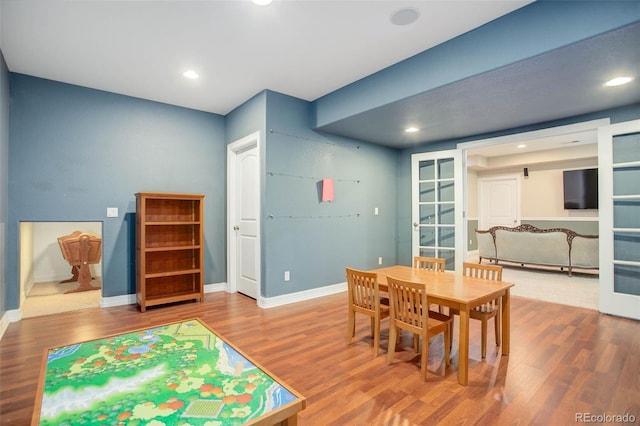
[{"x": 247, "y": 142}]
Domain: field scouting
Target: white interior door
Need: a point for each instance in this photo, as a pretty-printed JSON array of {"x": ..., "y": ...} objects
[
  {"x": 619, "y": 211},
  {"x": 244, "y": 217},
  {"x": 499, "y": 201},
  {"x": 437, "y": 206}
]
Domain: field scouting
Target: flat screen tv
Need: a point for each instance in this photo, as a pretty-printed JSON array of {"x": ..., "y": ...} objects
[{"x": 581, "y": 189}]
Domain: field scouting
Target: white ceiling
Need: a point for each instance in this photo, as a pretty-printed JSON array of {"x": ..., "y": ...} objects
[{"x": 303, "y": 48}]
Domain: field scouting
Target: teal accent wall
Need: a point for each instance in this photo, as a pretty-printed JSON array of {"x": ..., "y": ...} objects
[
  {"x": 316, "y": 240},
  {"x": 4, "y": 178},
  {"x": 76, "y": 151}
]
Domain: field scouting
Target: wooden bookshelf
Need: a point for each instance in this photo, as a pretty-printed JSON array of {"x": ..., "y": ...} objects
[{"x": 169, "y": 248}]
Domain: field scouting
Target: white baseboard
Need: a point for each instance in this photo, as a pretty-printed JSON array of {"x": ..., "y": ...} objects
[
  {"x": 13, "y": 315},
  {"x": 4, "y": 324},
  {"x": 110, "y": 302},
  {"x": 130, "y": 299},
  {"x": 212, "y": 288},
  {"x": 285, "y": 299}
]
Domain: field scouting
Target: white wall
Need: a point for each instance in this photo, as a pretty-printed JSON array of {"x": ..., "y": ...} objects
[
  {"x": 542, "y": 191},
  {"x": 26, "y": 259}
]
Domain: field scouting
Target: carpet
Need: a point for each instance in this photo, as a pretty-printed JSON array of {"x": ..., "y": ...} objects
[
  {"x": 174, "y": 374},
  {"x": 55, "y": 287}
]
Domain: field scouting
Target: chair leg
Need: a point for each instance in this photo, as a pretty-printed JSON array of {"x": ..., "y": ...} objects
[
  {"x": 450, "y": 340},
  {"x": 351, "y": 326},
  {"x": 416, "y": 342},
  {"x": 376, "y": 336},
  {"x": 393, "y": 337},
  {"x": 497, "y": 321},
  {"x": 484, "y": 338},
  {"x": 424, "y": 358},
  {"x": 447, "y": 349}
]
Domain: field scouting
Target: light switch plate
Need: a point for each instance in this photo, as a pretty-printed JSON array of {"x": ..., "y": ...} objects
[{"x": 112, "y": 212}]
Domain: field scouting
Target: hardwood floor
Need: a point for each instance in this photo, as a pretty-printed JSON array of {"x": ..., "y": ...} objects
[{"x": 564, "y": 362}]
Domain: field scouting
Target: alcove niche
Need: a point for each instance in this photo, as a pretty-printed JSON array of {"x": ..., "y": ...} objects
[{"x": 43, "y": 269}]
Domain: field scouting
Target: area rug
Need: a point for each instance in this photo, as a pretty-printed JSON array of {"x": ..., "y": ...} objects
[{"x": 175, "y": 374}]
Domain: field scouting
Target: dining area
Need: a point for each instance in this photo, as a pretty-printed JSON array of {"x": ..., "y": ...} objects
[{"x": 424, "y": 300}]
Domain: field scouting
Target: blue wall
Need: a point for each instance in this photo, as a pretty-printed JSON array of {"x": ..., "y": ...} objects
[
  {"x": 4, "y": 177},
  {"x": 76, "y": 151},
  {"x": 315, "y": 240}
]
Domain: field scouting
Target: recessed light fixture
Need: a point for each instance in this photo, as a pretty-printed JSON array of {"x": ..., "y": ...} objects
[
  {"x": 618, "y": 81},
  {"x": 191, "y": 74},
  {"x": 404, "y": 16},
  {"x": 411, "y": 129},
  {"x": 522, "y": 145},
  {"x": 262, "y": 2}
]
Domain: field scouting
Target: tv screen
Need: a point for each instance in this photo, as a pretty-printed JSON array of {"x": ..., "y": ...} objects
[{"x": 581, "y": 189}]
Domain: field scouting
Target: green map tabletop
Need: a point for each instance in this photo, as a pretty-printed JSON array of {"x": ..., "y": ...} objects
[{"x": 175, "y": 374}]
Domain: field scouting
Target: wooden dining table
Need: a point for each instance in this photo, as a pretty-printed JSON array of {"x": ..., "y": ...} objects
[{"x": 460, "y": 292}]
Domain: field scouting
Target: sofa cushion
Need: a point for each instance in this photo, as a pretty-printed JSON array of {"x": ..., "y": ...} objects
[
  {"x": 585, "y": 252},
  {"x": 543, "y": 248}
]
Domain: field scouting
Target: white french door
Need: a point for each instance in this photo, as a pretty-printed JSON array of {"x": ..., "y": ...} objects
[
  {"x": 619, "y": 208},
  {"x": 437, "y": 206}
]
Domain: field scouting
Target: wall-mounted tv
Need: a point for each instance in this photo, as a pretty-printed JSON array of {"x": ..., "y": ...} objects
[{"x": 581, "y": 189}]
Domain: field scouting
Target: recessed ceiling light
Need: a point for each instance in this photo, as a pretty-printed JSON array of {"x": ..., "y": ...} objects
[
  {"x": 522, "y": 145},
  {"x": 405, "y": 16},
  {"x": 618, "y": 81},
  {"x": 411, "y": 129},
  {"x": 191, "y": 74},
  {"x": 262, "y": 2}
]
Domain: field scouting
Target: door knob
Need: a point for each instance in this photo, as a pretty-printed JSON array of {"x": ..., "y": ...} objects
[{"x": 236, "y": 228}]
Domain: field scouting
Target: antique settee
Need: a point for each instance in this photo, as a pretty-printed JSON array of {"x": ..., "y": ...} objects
[{"x": 526, "y": 244}]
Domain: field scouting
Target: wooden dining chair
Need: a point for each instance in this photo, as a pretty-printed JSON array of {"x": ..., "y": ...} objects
[
  {"x": 364, "y": 298},
  {"x": 429, "y": 263},
  {"x": 409, "y": 311},
  {"x": 490, "y": 309}
]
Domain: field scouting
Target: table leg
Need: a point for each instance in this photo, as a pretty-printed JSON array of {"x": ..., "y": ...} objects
[
  {"x": 506, "y": 321},
  {"x": 463, "y": 348}
]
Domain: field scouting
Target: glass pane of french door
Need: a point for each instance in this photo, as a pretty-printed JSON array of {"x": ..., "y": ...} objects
[
  {"x": 619, "y": 172},
  {"x": 437, "y": 188},
  {"x": 626, "y": 213}
]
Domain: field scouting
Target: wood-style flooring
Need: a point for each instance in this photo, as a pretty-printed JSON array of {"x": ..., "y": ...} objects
[{"x": 565, "y": 362}]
